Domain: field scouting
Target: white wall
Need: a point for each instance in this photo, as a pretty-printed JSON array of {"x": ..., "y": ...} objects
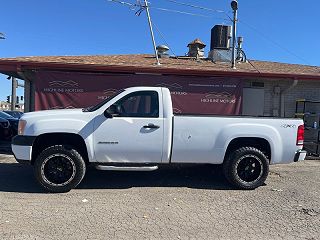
[{"x": 253, "y": 102}]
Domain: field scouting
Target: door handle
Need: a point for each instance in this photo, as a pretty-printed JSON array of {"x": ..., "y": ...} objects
[{"x": 151, "y": 125}]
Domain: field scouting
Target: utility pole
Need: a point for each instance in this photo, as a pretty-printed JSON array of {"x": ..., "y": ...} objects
[
  {"x": 13, "y": 93},
  {"x": 234, "y": 6},
  {"x": 151, "y": 31}
]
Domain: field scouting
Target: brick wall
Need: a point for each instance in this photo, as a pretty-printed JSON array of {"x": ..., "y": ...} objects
[{"x": 309, "y": 90}]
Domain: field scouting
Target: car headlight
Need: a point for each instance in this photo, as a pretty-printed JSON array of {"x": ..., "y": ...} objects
[{"x": 21, "y": 126}]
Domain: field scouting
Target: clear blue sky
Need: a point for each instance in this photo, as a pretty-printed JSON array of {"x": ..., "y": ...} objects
[{"x": 288, "y": 30}]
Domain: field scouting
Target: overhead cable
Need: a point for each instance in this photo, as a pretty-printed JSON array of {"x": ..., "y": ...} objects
[
  {"x": 253, "y": 66},
  {"x": 131, "y": 5},
  {"x": 194, "y": 6},
  {"x": 199, "y": 7},
  {"x": 181, "y": 12},
  {"x": 139, "y": 8},
  {"x": 274, "y": 42},
  {"x": 160, "y": 33}
]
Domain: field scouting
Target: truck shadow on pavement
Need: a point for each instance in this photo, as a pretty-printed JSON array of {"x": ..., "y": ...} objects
[
  {"x": 16, "y": 177},
  {"x": 198, "y": 177}
]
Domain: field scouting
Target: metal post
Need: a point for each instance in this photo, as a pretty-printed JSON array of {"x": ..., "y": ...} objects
[
  {"x": 13, "y": 93},
  {"x": 27, "y": 94},
  {"x": 151, "y": 31},
  {"x": 234, "y": 5},
  {"x": 234, "y": 34}
]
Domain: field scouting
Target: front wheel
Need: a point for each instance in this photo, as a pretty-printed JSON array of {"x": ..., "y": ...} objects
[
  {"x": 59, "y": 168},
  {"x": 246, "y": 168}
]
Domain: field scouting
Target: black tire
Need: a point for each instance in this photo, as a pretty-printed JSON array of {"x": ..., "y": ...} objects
[
  {"x": 246, "y": 168},
  {"x": 59, "y": 168}
]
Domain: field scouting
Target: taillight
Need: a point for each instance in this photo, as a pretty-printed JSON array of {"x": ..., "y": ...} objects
[{"x": 300, "y": 135}]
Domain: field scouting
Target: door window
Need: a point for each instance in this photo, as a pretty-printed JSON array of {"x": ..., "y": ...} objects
[{"x": 139, "y": 104}]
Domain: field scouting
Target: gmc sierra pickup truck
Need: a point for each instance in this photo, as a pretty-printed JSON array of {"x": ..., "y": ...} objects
[{"x": 136, "y": 130}]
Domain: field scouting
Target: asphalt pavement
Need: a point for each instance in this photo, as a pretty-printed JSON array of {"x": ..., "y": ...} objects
[{"x": 177, "y": 203}]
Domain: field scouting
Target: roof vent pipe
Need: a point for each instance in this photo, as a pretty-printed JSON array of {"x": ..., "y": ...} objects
[
  {"x": 241, "y": 56},
  {"x": 196, "y": 48},
  {"x": 162, "y": 51},
  {"x": 240, "y": 41}
]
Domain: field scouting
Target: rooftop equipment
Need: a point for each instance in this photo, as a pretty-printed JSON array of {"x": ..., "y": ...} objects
[
  {"x": 220, "y": 50},
  {"x": 162, "y": 51},
  {"x": 196, "y": 48},
  {"x": 220, "y": 37}
]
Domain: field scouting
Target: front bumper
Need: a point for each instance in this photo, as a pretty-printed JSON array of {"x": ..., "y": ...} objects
[
  {"x": 22, "y": 148},
  {"x": 300, "y": 155}
]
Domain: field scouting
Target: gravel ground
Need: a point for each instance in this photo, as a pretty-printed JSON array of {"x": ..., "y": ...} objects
[{"x": 184, "y": 203}]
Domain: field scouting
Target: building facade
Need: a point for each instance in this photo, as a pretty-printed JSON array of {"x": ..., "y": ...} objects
[{"x": 267, "y": 88}]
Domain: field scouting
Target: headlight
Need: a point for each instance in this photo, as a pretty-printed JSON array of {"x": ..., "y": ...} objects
[{"x": 21, "y": 126}]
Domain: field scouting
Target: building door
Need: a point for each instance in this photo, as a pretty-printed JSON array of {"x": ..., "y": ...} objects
[{"x": 253, "y": 102}]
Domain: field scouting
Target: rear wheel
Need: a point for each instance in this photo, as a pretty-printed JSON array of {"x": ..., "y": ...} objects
[
  {"x": 246, "y": 168},
  {"x": 59, "y": 168}
]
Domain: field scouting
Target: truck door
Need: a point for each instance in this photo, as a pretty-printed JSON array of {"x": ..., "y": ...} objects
[{"x": 134, "y": 134}]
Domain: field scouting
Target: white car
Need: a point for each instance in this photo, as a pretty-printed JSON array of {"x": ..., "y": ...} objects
[{"x": 136, "y": 130}]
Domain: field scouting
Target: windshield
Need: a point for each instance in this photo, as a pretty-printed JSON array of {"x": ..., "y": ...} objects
[
  {"x": 5, "y": 115},
  {"x": 15, "y": 114},
  {"x": 99, "y": 105}
]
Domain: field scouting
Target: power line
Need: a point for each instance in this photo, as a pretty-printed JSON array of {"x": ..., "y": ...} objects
[
  {"x": 160, "y": 33},
  {"x": 141, "y": 8},
  {"x": 181, "y": 12},
  {"x": 124, "y": 3},
  {"x": 194, "y": 6},
  {"x": 274, "y": 42},
  {"x": 253, "y": 66},
  {"x": 199, "y": 7},
  {"x": 130, "y": 5},
  {"x": 262, "y": 34}
]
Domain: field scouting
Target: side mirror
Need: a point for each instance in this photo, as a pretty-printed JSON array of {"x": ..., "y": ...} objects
[
  {"x": 111, "y": 111},
  {"x": 107, "y": 115}
]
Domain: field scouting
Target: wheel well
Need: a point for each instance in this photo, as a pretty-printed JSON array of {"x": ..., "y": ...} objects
[
  {"x": 259, "y": 143},
  {"x": 49, "y": 139}
]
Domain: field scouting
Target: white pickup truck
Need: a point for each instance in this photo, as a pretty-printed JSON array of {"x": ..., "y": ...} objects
[{"x": 136, "y": 130}]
